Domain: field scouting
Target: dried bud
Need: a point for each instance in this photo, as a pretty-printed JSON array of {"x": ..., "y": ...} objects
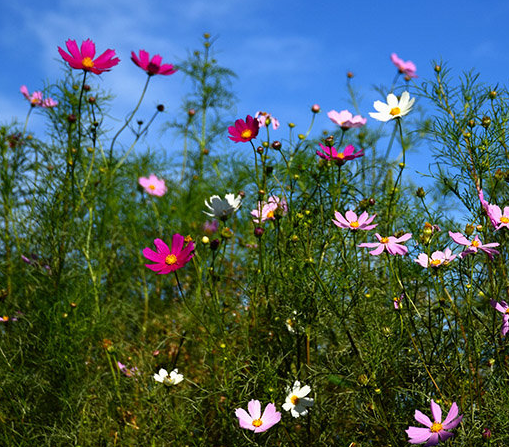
[
  {"x": 242, "y": 194},
  {"x": 486, "y": 121},
  {"x": 258, "y": 232},
  {"x": 214, "y": 244},
  {"x": 420, "y": 193},
  {"x": 160, "y": 107},
  {"x": 315, "y": 108},
  {"x": 276, "y": 145}
]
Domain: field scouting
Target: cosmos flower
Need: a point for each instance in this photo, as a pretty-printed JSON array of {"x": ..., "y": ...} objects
[
  {"x": 167, "y": 260},
  {"x": 407, "y": 68},
  {"x": 84, "y": 59},
  {"x": 346, "y": 120},
  {"x": 352, "y": 222},
  {"x": 497, "y": 218},
  {"x": 173, "y": 378},
  {"x": 36, "y": 100},
  {"x": 253, "y": 421},
  {"x": 474, "y": 246},
  {"x": 153, "y": 186},
  {"x": 152, "y": 66},
  {"x": 437, "y": 430},
  {"x": 296, "y": 400},
  {"x": 436, "y": 259},
  {"x": 262, "y": 118},
  {"x": 211, "y": 226},
  {"x": 222, "y": 208},
  {"x": 270, "y": 210},
  {"x": 244, "y": 131},
  {"x": 391, "y": 244},
  {"x": 330, "y": 153},
  {"x": 504, "y": 309},
  {"x": 394, "y": 108}
]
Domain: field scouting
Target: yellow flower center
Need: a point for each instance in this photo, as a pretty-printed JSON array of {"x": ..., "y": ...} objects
[
  {"x": 170, "y": 259},
  {"x": 257, "y": 422},
  {"x": 246, "y": 133},
  {"x": 436, "y": 262},
  {"x": 395, "y": 111},
  {"x": 475, "y": 243},
  {"x": 294, "y": 400},
  {"x": 354, "y": 224},
  {"x": 341, "y": 155},
  {"x": 436, "y": 427},
  {"x": 35, "y": 101},
  {"x": 384, "y": 240},
  {"x": 270, "y": 215},
  {"x": 507, "y": 311},
  {"x": 87, "y": 62},
  {"x": 5, "y": 318},
  {"x": 504, "y": 219},
  {"x": 152, "y": 187}
]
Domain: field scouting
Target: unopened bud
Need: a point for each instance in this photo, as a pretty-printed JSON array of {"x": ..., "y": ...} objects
[
  {"x": 265, "y": 144},
  {"x": 214, "y": 244},
  {"x": 420, "y": 193},
  {"x": 276, "y": 145},
  {"x": 438, "y": 68},
  {"x": 205, "y": 240},
  {"x": 258, "y": 232},
  {"x": 86, "y": 87},
  {"x": 259, "y": 149},
  {"x": 493, "y": 94},
  {"x": 486, "y": 121},
  {"x": 469, "y": 229},
  {"x": 329, "y": 141},
  {"x": 315, "y": 108},
  {"x": 71, "y": 118},
  {"x": 160, "y": 107},
  {"x": 191, "y": 112},
  {"x": 91, "y": 100},
  {"x": 471, "y": 123},
  {"x": 206, "y": 35},
  {"x": 301, "y": 136},
  {"x": 349, "y": 74}
]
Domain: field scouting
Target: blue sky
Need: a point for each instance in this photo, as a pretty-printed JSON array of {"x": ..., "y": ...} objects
[{"x": 288, "y": 55}]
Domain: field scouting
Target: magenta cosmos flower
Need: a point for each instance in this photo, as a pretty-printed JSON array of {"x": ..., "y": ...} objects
[
  {"x": 352, "y": 222},
  {"x": 474, "y": 246},
  {"x": 330, "y": 153},
  {"x": 84, "y": 59},
  {"x": 167, "y": 260},
  {"x": 262, "y": 118},
  {"x": 36, "y": 100},
  {"x": 503, "y": 308},
  {"x": 152, "y": 66},
  {"x": 407, "y": 68},
  {"x": 153, "y": 185},
  {"x": 497, "y": 218},
  {"x": 244, "y": 131},
  {"x": 436, "y": 259},
  {"x": 436, "y": 430},
  {"x": 253, "y": 421},
  {"x": 391, "y": 244},
  {"x": 269, "y": 210},
  {"x": 346, "y": 120}
]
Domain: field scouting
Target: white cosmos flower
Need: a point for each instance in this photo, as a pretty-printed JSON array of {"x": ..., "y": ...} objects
[
  {"x": 168, "y": 379},
  {"x": 394, "y": 108},
  {"x": 222, "y": 208},
  {"x": 296, "y": 401}
]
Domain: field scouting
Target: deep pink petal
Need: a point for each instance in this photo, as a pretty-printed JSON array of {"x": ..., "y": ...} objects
[
  {"x": 87, "y": 49},
  {"x": 72, "y": 47},
  {"x": 155, "y": 267},
  {"x": 151, "y": 255},
  {"x": 444, "y": 435},
  {"x": 177, "y": 243},
  {"x": 162, "y": 247}
]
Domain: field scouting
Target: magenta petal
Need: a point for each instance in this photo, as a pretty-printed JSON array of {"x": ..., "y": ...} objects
[
  {"x": 155, "y": 267},
  {"x": 156, "y": 60},
  {"x": 88, "y": 49},
  {"x": 453, "y": 412},
  {"x": 151, "y": 255},
  {"x": 72, "y": 47},
  {"x": 177, "y": 243},
  {"x": 444, "y": 435},
  {"x": 162, "y": 247}
]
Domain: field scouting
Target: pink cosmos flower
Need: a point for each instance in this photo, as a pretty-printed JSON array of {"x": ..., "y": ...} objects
[
  {"x": 253, "y": 421},
  {"x": 473, "y": 246},
  {"x": 330, "y": 153},
  {"x": 437, "y": 430},
  {"x": 167, "y": 260},
  {"x": 152, "y": 66},
  {"x": 437, "y": 258},
  {"x": 391, "y": 244},
  {"x": 352, "y": 222},
  {"x": 244, "y": 131},
  {"x": 346, "y": 120},
  {"x": 274, "y": 207},
  {"x": 407, "y": 68},
  {"x": 153, "y": 185},
  {"x": 84, "y": 59},
  {"x": 36, "y": 100},
  {"x": 503, "y": 308},
  {"x": 211, "y": 226},
  {"x": 497, "y": 218},
  {"x": 262, "y": 118}
]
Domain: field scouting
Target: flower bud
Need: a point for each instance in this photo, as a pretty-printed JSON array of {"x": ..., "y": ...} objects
[
  {"x": 420, "y": 193},
  {"x": 191, "y": 112},
  {"x": 265, "y": 144},
  {"x": 205, "y": 240},
  {"x": 258, "y": 232},
  {"x": 91, "y": 99},
  {"x": 469, "y": 229},
  {"x": 471, "y": 123},
  {"x": 486, "y": 121},
  {"x": 315, "y": 108},
  {"x": 214, "y": 244},
  {"x": 438, "y": 68},
  {"x": 160, "y": 107},
  {"x": 329, "y": 141},
  {"x": 242, "y": 194},
  {"x": 205, "y": 151},
  {"x": 493, "y": 94},
  {"x": 291, "y": 125},
  {"x": 206, "y": 35},
  {"x": 301, "y": 136},
  {"x": 226, "y": 233},
  {"x": 86, "y": 87},
  {"x": 71, "y": 118},
  {"x": 349, "y": 74},
  {"x": 259, "y": 149},
  {"x": 276, "y": 145},
  {"x": 486, "y": 434}
]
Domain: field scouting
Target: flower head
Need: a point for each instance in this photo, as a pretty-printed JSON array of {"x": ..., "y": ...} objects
[
  {"x": 211, "y": 226},
  {"x": 497, "y": 218},
  {"x": 391, "y": 244},
  {"x": 394, "y": 108},
  {"x": 296, "y": 400},
  {"x": 503, "y": 308},
  {"x": 346, "y": 120},
  {"x": 36, "y": 100},
  {"x": 352, "y": 222},
  {"x": 128, "y": 372},
  {"x": 436, "y": 259},
  {"x": 253, "y": 421},
  {"x": 270, "y": 210},
  {"x": 437, "y": 430},
  {"x": 407, "y": 68},
  {"x": 244, "y": 131},
  {"x": 84, "y": 59},
  {"x": 153, "y": 186},
  {"x": 222, "y": 208},
  {"x": 173, "y": 378},
  {"x": 330, "y": 153},
  {"x": 167, "y": 260},
  {"x": 152, "y": 66},
  {"x": 474, "y": 245},
  {"x": 263, "y": 117}
]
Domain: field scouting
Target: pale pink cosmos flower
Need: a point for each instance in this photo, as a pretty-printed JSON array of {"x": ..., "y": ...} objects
[
  {"x": 330, "y": 153},
  {"x": 262, "y": 118},
  {"x": 437, "y": 430},
  {"x": 36, "y": 100},
  {"x": 504, "y": 309},
  {"x": 391, "y": 244},
  {"x": 352, "y": 222},
  {"x": 256, "y": 421},
  {"x": 270, "y": 210},
  {"x": 153, "y": 186},
  {"x": 407, "y": 68},
  {"x": 497, "y": 218},
  {"x": 436, "y": 259},
  {"x": 346, "y": 120},
  {"x": 474, "y": 245}
]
